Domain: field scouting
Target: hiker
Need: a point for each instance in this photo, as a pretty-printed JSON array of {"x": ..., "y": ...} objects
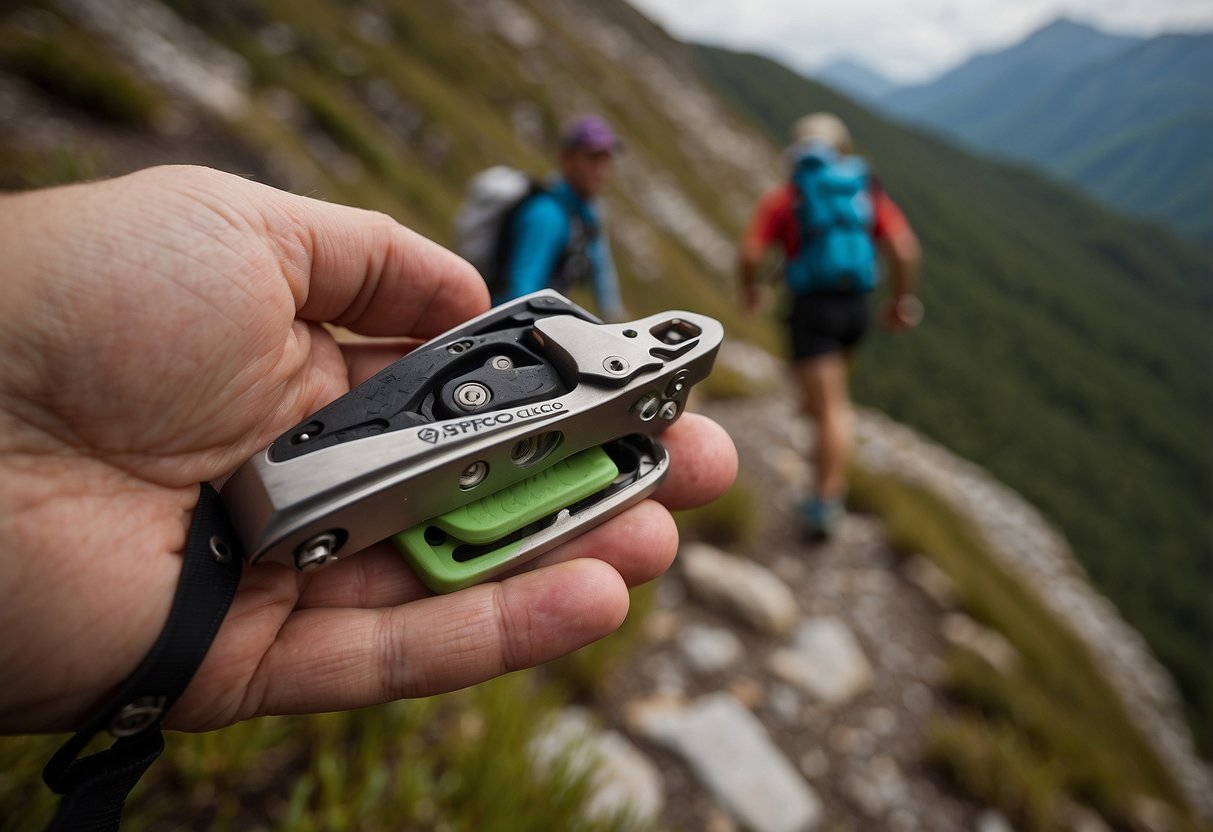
[
  {"x": 831, "y": 217},
  {"x": 524, "y": 235},
  {"x": 160, "y": 328}
]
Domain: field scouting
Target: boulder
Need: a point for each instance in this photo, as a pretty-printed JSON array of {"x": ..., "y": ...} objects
[
  {"x": 738, "y": 588},
  {"x": 824, "y": 660},
  {"x": 731, "y": 754}
]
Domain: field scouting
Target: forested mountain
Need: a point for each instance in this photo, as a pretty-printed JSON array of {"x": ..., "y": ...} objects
[
  {"x": 1065, "y": 348},
  {"x": 1129, "y": 121},
  {"x": 855, "y": 79},
  {"x": 994, "y": 82}
]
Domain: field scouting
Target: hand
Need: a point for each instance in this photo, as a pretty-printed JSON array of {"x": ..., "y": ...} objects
[
  {"x": 901, "y": 313},
  {"x": 160, "y": 328}
]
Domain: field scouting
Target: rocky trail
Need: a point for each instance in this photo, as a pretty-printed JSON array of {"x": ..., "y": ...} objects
[{"x": 790, "y": 688}]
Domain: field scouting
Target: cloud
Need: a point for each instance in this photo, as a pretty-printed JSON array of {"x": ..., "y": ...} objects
[{"x": 907, "y": 42}]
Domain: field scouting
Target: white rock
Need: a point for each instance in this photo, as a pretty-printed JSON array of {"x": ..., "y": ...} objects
[
  {"x": 621, "y": 777},
  {"x": 709, "y": 649},
  {"x": 738, "y": 588},
  {"x": 731, "y": 754},
  {"x": 825, "y": 661},
  {"x": 993, "y": 821},
  {"x": 961, "y": 631}
]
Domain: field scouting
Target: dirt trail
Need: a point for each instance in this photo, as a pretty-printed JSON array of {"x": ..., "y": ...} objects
[{"x": 861, "y": 755}]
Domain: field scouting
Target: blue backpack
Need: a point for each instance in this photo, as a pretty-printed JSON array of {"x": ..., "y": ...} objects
[{"x": 834, "y": 214}]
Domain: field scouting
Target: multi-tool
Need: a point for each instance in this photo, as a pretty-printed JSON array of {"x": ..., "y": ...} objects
[{"x": 482, "y": 448}]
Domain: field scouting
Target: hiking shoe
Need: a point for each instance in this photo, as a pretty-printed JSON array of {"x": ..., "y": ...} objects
[{"x": 822, "y": 517}]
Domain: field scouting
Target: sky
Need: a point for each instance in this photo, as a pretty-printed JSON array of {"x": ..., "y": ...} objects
[{"x": 906, "y": 41}]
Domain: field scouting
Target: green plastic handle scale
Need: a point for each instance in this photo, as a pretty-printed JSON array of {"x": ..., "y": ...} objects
[{"x": 480, "y": 539}]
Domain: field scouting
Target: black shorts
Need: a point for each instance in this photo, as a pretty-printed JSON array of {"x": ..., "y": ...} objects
[{"x": 823, "y": 323}]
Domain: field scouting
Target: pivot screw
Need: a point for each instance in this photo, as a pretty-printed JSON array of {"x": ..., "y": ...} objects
[
  {"x": 473, "y": 475},
  {"x": 320, "y": 551},
  {"x": 502, "y": 362},
  {"x": 669, "y": 410},
  {"x": 646, "y": 407},
  {"x": 472, "y": 395},
  {"x": 615, "y": 365}
]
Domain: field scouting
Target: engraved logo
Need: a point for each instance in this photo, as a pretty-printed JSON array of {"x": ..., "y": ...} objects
[{"x": 428, "y": 435}]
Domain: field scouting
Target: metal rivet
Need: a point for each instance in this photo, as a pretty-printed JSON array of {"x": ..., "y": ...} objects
[
  {"x": 677, "y": 384},
  {"x": 647, "y": 406},
  {"x": 615, "y": 365},
  {"x": 473, "y": 475},
  {"x": 319, "y": 551},
  {"x": 137, "y": 716},
  {"x": 669, "y": 410},
  {"x": 472, "y": 395},
  {"x": 502, "y": 362},
  {"x": 221, "y": 551}
]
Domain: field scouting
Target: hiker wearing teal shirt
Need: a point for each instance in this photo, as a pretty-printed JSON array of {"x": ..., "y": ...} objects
[{"x": 555, "y": 236}]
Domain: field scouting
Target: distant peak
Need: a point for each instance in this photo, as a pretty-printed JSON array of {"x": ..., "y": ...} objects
[{"x": 1062, "y": 23}]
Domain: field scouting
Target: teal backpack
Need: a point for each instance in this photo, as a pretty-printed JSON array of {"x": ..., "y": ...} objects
[{"x": 834, "y": 213}]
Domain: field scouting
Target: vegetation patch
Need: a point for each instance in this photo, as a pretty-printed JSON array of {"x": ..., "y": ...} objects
[
  {"x": 457, "y": 762},
  {"x": 1049, "y": 732},
  {"x": 70, "y": 66},
  {"x": 728, "y": 522}
]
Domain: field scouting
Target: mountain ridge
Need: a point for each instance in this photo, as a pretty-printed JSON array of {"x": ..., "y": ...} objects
[
  {"x": 1086, "y": 107},
  {"x": 1056, "y": 47},
  {"x": 854, "y": 78}
]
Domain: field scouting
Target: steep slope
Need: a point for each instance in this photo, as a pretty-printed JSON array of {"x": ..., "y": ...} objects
[
  {"x": 990, "y": 82},
  {"x": 1065, "y": 349}
]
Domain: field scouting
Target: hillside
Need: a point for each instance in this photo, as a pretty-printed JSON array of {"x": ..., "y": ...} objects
[
  {"x": 1066, "y": 350},
  {"x": 1135, "y": 130},
  {"x": 1127, "y": 120}
]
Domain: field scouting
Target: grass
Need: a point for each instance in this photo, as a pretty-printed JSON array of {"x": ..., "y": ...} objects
[
  {"x": 22, "y": 168},
  {"x": 456, "y": 762},
  {"x": 70, "y": 66},
  {"x": 1051, "y": 730}
]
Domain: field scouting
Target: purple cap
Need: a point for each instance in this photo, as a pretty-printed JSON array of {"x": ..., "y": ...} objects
[{"x": 590, "y": 132}]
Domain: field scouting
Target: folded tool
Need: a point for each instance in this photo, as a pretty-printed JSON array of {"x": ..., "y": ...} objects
[{"x": 482, "y": 448}]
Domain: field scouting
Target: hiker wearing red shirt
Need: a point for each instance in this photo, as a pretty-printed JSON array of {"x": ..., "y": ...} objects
[{"x": 832, "y": 219}]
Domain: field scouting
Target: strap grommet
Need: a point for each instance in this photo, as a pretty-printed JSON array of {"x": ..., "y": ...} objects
[
  {"x": 137, "y": 717},
  {"x": 221, "y": 551}
]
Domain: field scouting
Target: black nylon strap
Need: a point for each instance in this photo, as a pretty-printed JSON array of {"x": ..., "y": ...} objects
[{"x": 95, "y": 787}]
